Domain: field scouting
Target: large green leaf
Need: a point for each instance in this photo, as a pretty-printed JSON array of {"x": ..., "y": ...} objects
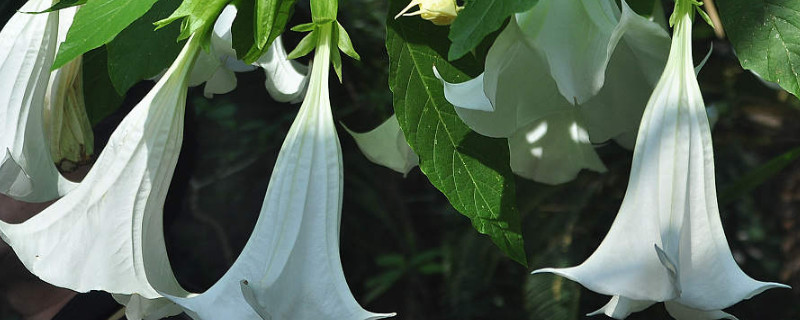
[
  {"x": 268, "y": 18},
  {"x": 99, "y": 95},
  {"x": 96, "y": 24},
  {"x": 141, "y": 52},
  {"x": 64, "y": 4},
  {"x": 478, "y": 19},
  {"x": 766, "y": 36},
  {"x": 471, "y": 170},
  {"x": 197, "y": 17}
]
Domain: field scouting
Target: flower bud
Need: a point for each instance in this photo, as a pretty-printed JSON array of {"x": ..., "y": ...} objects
[{"x": 440, "y": 12}]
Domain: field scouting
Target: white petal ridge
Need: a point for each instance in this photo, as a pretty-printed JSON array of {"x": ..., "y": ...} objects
[{"x": 27, "y": 49}]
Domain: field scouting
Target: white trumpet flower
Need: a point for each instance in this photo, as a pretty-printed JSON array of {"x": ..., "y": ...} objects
[
  {"x": 667, "y": 243},
  {"x": 217, "y": 68},
  {"x": 386, "y": 145},
  {"x": 550, "y": 139},
  {"x": 66, "y": 123},
  {"x": 286, "y": 79},
  {"x": 290, "y": 267},
  {"x": 107, "y": 233},
  {"x": 27, "y": 49}
]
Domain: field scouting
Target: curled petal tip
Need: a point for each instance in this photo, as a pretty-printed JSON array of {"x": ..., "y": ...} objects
[
  {"x": 547, "y": 270},
  {"x": 14, "y": 182}
]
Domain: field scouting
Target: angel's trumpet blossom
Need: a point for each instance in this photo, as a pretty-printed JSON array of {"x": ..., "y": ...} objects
[
  {"x": 66, "y": 123},
  {"x": 107, "y": 233},
  {"x": 27, "y": 49},
  {"x": 290, "y": 267},
  {"x": 667, "y": 243},
  {"x": 527, "y": 92}
]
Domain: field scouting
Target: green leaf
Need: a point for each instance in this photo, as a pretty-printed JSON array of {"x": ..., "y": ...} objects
[
  {"x": 308, "y": 43},
  {"x": 766, "y": 36},
  {"x": 139, "y": 52},
  {"x": 344, "y": 42},
  {"x": 63, "y": 5},
  {"x": 268, "y": 14},
  {"x": 305, "y": 27},
  {"x": 242, "y": 31},
  {"x": 96, "y": 24},
  {"x": 272, "y": 17},
  {"x": 336, "y": 57},
  {"x": 478, "y": 19},
  {"x": 471, "y": 170},
  {"x": 99, "y": 95},
  {"x": 758, "y": 176},
  {"x": 198, "y": 17}
]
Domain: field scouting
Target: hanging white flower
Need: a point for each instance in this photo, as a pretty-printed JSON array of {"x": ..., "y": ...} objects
[
  {"x": 667, "y": 243},
  {"x": 66, "y": 123},
  {"x": 286, "y": 79},
  {"x": 290, "y": 267},
  {"x": 217, "y": 68},
  {"x": 550, "y": 139},
  {"x": 107, "y": 233},
  {"x": 27, "y": 49}
]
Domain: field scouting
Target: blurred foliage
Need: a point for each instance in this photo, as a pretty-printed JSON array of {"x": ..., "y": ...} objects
[{"x": 406, "y": 250}]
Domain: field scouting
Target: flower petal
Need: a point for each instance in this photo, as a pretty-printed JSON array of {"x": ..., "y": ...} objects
[
  {"x": 621, "y": 307},
  {"x": 553, "y": 149},
  {"x": 466, "y": 95},
  {"x": 290, "y": 267},
  {"x": 27, "y": 48},
  {"x": 386, "y": 145},
  {"x": 575, "y": 37},
  {"x": 107, "y": 234},
  {"x": 66, "y": 123},
  {"x": 287, "y": 80},
  {"x": 517, "y": 97},
  {"x": 222, "y": 82},
  {"x": 14, "y": 182},
  {"x": 681, "y": 312},
  {"x": 670, "y": 205},
  {"x": 632, "y": 73}
]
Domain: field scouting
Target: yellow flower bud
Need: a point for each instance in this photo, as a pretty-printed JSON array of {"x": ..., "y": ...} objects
[{"x": 440, "y": 12}]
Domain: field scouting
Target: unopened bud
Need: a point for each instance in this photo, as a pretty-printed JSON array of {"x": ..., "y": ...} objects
[{"x": 439, "y": 12}]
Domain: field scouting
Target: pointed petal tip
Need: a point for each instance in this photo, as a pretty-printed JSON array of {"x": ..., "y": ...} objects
[
  {"x": 764, "y": 286},
  {"x": 14, "y": 181},
  {"x": 546, "y": 270},
  {"x": 376, "y": 316}
]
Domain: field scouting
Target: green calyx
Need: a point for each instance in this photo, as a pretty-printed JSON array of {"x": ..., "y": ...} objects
[
  {"x": 332, "y": 30},
  {"x": 683, "y": 7},
  {"x": 198, "y": 17}
]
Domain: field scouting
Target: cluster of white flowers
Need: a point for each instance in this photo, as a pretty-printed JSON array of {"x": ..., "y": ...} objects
[
  {"x": 569, "y": 73},
  {"x": 106, "y": 232},
  {"x": 560, "y": 78}
]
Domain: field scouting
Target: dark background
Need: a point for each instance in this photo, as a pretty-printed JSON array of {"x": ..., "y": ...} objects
[{"x": 406, "y": 250}]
